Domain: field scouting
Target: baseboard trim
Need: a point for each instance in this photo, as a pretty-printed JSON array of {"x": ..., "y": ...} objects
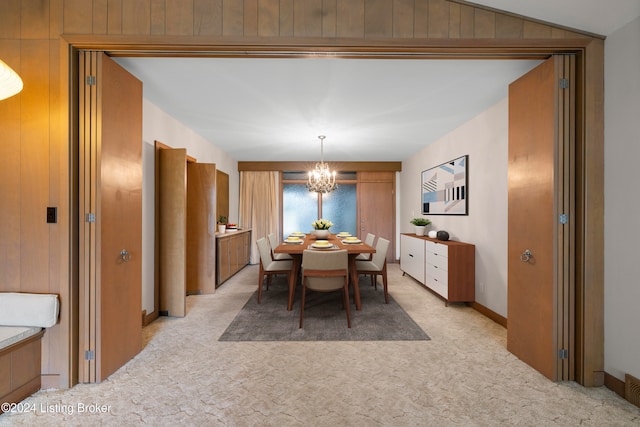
[
  {"x": 500, "y": 320},
  {"x": 615, "y": 385},
  {"x": 148, "y": 318}
]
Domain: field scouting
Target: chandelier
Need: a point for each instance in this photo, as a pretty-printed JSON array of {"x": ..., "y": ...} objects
[{"x": 321, "y": 179}]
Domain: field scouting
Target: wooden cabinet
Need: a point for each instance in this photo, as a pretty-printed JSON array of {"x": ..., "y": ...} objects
[
  {"x": 233, "y": 251},
  {"x": 445, "y": 267}
]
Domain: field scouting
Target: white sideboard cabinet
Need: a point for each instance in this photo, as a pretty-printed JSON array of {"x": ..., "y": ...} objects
[{"x": 445, "y": 267}]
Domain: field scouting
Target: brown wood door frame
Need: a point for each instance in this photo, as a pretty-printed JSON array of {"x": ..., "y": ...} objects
[{"x": 589, "y": 237}]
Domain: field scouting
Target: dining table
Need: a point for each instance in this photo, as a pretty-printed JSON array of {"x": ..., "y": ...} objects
[{"x": 295, "y": 250}]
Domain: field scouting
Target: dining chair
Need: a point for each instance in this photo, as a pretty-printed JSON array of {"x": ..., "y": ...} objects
[
  {"x": 377, "y": 266},
  {"x": 268, "y": 266},
  {"x": 369, "y": 241},
  {"x": 273, "y": 241},
  {"x": 325, "y": 271}
]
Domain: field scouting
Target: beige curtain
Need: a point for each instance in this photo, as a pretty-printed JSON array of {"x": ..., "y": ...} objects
[{"x": 258, "y": 206}]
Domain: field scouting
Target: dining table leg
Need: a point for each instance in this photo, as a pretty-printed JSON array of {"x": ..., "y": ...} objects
[
  {"x": 293, "y": 278},
  {"x": 354, "y": 280}
]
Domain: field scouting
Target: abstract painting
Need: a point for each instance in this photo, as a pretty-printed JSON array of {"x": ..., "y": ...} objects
[{"x": 445, "y": 190}]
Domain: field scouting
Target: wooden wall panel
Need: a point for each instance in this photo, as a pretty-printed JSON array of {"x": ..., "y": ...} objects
[
  {"x": 421, "y": 18},
  {"x": 179, "y": 17},
  {"x": 438, "y": 19},
  {"x": 78, "y": 16},
  {"x": 250, "y": 18},
  {"x": 378, "y": 18},
  {"x": 34, "y": 165},
  {"x": 232, "y": 18},
  {"x": 307, "y": 18},
  {"x": 268, "y": 18},
  {"x": 534, "y": 30},
  {"x": 467, "y": 22},
  {"x": 403, "y": 18},
  {"x": 56, "y": 14},
  {"x": 350, "y": 19},
  {"x": 136, "y": 17},
  {"x": 509, "y": 27},
  {"x": 484, "y": 24},
  {"x": 100, "y": 16},
  {"x": 34, "y": 23},
  {"x": 157, "y": 15},
  {"x": 9, "y": 25},
  {"x": 10, "y": 177},
  {"x": 207, "y": 20},
  {"x": 286, "y": 18},
  {"x": 329, "y": 18},
  {"x": 114, "y": 17},
  {"x": 455, "y": 19}
]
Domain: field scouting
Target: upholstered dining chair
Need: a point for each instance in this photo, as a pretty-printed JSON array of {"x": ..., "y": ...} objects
[
  {"x": 273, "y": 241},
  {"x": 377, "y": 266},
  {"x": 325, "y": 271},
  {"x": 269, "y": 266},
  {"x": 369, "y": 241}
]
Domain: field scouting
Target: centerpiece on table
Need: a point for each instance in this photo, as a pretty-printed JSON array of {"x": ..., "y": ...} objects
[{"x": 321, "y": 228}]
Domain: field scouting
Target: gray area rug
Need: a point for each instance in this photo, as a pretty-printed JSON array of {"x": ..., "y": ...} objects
[{"x": 324, "y": 317}]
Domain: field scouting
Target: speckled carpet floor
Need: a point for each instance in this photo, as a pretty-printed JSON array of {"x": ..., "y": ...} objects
[{"x": 463, "y": 376}]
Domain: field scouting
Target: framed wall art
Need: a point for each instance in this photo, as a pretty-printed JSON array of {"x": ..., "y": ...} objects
[{"x": 445, "y": 188}]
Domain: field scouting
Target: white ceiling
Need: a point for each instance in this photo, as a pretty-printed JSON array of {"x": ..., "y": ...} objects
[{"x": 369, "y": 109}]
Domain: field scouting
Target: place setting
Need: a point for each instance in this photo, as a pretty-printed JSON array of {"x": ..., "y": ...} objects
[
  {"x": 294, "y": 239},
  {"x": 351, "y": 240},
  {"x": 322, "y": 244}
]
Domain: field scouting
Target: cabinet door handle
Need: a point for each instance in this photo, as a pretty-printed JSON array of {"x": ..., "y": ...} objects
[{"x": 411, "y": 255}]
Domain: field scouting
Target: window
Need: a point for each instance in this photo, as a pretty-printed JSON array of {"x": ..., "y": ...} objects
[{"x": 300, "y": 207}]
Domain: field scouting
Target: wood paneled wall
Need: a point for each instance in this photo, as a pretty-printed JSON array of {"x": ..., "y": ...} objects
[
  {"x": 37, "y": 126},
  {"x": 432, "y": 19}
]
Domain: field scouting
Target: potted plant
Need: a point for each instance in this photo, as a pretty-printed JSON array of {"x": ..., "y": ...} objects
[
  {"x": 420, "y": 224},
  {"x": 222, "y": 224},
  {"x": 321, "y": 228}
]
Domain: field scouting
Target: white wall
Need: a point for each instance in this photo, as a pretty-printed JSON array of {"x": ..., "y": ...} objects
[
  {"x": 485, "y": 139},
  {"x": 159, "y": 126},
  {"x": 622, "y": 201}
]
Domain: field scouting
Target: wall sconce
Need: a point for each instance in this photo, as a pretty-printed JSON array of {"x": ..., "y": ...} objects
[{"x": 10, "y": 81}]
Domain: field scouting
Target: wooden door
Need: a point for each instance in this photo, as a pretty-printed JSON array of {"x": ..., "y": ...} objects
[
  {"x": 172, "y": 225},
  {"x": 111, "y": 203},
  {"x": 540, "y": 299},
  {"x": 377, "y": 207},
  {"x": 201, "y": 228}
]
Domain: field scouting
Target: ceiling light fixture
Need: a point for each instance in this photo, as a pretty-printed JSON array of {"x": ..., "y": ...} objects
[
  {"x": 10, "y": 81},
  {"x": 321, "y": 179}
]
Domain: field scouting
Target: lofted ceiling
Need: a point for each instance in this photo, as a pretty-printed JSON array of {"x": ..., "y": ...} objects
[{"x": 273, "y": 109}]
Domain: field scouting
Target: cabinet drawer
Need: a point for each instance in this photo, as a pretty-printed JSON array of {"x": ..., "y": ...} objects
[
  {"x": 437, "y": 286},
  {"x": 440, "y": 261},
  {"x": 441, "y": 275},
  {"x": 438, "y": 248}
]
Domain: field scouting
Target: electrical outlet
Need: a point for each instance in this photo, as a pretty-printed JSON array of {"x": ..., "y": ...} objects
[{"x": 481, "y": 287}]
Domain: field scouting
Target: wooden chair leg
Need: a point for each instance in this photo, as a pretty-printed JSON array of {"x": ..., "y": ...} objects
[
  {"x": 346, "y": 304},
  {"x": 384, "y": 283},
  {"x": 260, "y": 283},
  {"x": 302, "y": 304}
]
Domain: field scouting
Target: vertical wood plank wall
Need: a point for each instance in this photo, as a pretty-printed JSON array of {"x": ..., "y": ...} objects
[{"x": 35, "y": 150}]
